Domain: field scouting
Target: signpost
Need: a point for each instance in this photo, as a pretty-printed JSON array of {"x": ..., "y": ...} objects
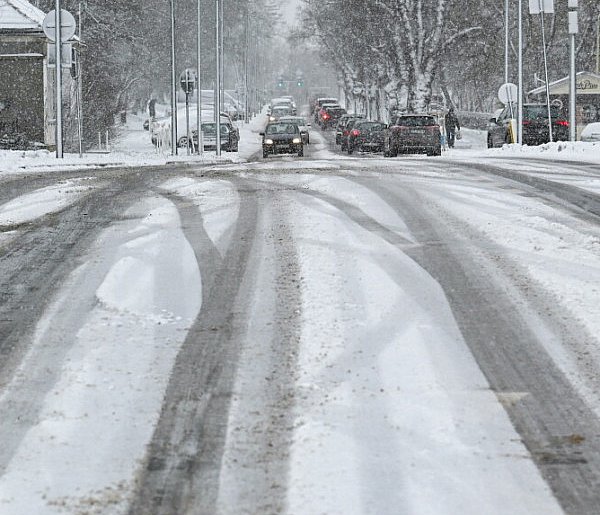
[
  {"x": 59, "y": 26},
  {"x": 573, "y": 30},
  {"x": 542, "y": 7},
  {"x": 188, "y": 81}
]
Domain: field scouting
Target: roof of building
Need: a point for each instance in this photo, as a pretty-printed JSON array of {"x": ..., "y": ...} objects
[
  {"x": 587, "y": 83},
  {"x": 20, "y": 16}
]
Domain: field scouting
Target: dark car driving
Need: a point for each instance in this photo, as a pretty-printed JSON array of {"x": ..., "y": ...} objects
[
  {"x": 282, "y": 138},
  {"x": 366, "y": 136},
  {"x": 535, "y": 126},
  {"x": 414, "y": 133},
  {"x": 329, "y": 115}
]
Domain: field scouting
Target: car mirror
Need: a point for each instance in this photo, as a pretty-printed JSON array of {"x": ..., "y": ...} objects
[
  {"x": 308, "y": 125},
  {"x": 261, "y": 133},
  {"x": 493, "y": 120}
]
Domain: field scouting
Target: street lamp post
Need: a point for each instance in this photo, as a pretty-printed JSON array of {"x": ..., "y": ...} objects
[
  {"x": 198, "y": 65},
  {"x": 58, "y": 60},
  {"x": 218, "y": 76},
  {"x": 520, "y": 73},
  {"x": 506, "y": 45},
  {"x": 598, "y": 44},
  {"x": 173, "y": 84},
  {"x": 573, "y": 30}
]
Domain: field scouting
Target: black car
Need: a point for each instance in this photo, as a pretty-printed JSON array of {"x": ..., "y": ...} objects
[
  {"x": 535, "y": 126},
  {"x": 416, "y": 133},
  {"x": 366, "y": 136},
  {"x": 282, "y": 138},
  {"x": 340, "y": 131}
]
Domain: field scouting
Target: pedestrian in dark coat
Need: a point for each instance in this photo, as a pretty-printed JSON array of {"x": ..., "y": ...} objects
[{"x": 452, "y": 125}]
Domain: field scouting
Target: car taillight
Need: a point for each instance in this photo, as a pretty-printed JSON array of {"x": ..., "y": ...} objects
[
  {"x": 325, "y": 116},
  {"x": 355, "y": 132},
  {"x": 562, "y": 123},
  {"x": 526, "y": 122}
]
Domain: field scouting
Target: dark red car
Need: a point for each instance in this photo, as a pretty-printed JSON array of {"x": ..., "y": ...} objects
[{"x": 413, "y": 133}]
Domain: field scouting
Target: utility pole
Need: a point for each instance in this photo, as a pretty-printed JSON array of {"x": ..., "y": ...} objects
[
  {"x": 573, "y": 30},
  {"x": 173, "y": 84},
  {"x": 58, "y": 49},
  {"x": 520, "y": 73},
  {"x": 199, "y": 64},
  {"x": 506, "y": 45},
  {"x": 246, "y": 57},
  {"x": 218, "y": 75}
]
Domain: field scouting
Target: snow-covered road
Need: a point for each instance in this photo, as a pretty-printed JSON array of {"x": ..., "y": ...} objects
[{"x": 336, "y": 335}]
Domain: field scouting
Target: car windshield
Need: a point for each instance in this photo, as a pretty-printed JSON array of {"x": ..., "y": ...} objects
[
  {"x": 533, "y": 112},
  {"x": 211, "y": 128},
  {"x": 415, "y": 121},
  {"x": 282, "y": 128}
]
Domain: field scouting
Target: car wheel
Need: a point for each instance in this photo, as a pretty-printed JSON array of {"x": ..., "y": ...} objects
[
  {"x": 308, "y": 140},
  {"x": 265, "y": 154},
  {"x": 490, "y": 142},
  {"x": 182, "y": 143},
  {"x": 350, "y": 149},
  {"x": 393, "y": 151}
]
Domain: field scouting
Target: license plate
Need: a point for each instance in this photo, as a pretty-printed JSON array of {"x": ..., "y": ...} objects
[{"x": 416, "y": 131}]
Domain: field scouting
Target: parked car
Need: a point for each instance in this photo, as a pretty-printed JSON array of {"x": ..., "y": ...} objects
[
  {"x": 230, "y": 137},
  {"x": 535, "y": 126},
  {"x": 282, "y": 138},
  {"x": 415, "y": 133},
  {"x": 300, "y": 121},
  {"x": 329, "y": 115},
  {"x": 366, "y": 136},
  {"x": 591, "y": 132},
  {"x": 340, "y": 130}
]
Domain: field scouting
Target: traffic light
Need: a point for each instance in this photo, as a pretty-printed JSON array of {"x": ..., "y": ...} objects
[
  {"x": 300, "y": 82},
  {"x": 280, "y": 82}
]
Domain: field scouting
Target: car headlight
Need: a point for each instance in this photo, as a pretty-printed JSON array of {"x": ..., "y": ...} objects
[
  {"x": 296, "y": 140},
  {"x": 268, "y": 142},
  {"x": 272, "y": 118}
]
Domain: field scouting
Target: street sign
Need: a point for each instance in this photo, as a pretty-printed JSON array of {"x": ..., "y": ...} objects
[
  {"x": 188, "y": 81},
  {"x": 68, "y": 26},
  {"x": 66, "y": 55},
  {"x": 507, "y": 94},
  {"x": 541, "y": 6}
]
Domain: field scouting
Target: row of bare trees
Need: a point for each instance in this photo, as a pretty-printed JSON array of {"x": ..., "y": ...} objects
[{"x": 411, "y": 51}]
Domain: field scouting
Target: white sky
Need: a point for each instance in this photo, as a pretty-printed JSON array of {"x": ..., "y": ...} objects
[{"x": 288, "y": 9}]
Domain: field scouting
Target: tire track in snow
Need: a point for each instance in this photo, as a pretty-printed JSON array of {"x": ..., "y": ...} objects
[{"x": 560, "y": 431}]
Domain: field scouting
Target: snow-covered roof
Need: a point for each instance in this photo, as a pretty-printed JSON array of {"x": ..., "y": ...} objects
[{"x": 20, "y": 15}]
